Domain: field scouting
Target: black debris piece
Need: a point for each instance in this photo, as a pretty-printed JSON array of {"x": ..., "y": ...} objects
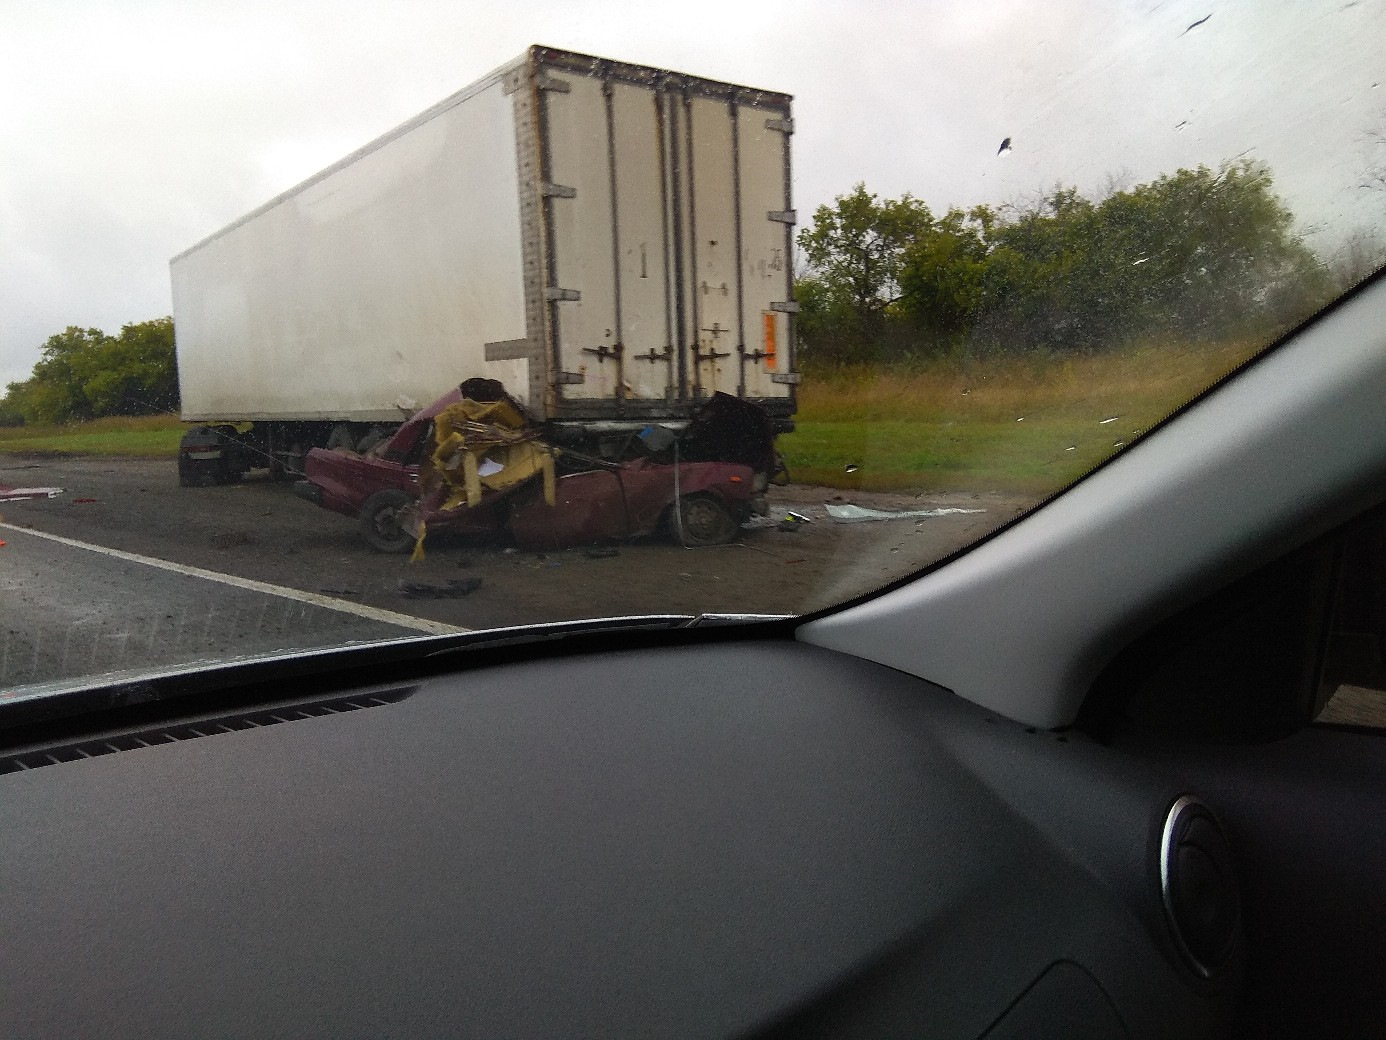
[{"x": 450, "y": 589}]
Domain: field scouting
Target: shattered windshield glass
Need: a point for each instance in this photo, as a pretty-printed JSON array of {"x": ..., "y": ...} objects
[{"x": 640, "y": 319}]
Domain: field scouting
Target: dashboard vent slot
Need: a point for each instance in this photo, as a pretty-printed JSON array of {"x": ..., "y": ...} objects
[{"x": 94, "y": 748}]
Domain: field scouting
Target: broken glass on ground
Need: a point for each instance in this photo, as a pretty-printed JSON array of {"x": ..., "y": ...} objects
[{"x": 850, "y": 514}]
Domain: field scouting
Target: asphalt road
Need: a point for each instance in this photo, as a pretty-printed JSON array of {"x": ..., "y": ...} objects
[
  {"x": 71, "y": 611},
  {"x": 192, "y": 583}
]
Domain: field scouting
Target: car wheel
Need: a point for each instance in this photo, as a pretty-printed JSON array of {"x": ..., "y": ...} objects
[
  {"x": 380, "y": 521},
  {"x": 706, "y": 521}
]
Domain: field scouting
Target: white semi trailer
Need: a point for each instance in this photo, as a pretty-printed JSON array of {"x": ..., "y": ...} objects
[{"x": 610, "y": 241}]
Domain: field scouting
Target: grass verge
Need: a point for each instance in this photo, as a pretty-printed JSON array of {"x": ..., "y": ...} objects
[
  {"x": 147, "y": 435},
  {"x": 1030, "y": 425}
]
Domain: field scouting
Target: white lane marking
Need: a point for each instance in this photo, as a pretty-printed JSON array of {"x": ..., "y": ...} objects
[{"x": 389, "y": 617}]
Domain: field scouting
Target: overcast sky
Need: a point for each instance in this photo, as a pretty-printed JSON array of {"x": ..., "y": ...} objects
[{"x": 132, "y": 129}]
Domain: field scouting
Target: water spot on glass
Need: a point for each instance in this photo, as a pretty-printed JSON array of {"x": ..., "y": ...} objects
[
  {"x": 1117, "y": 444},
  {"x": 1005, "y": 146},
  {"x": 852, "y": 467},
  {"x": 1104, "y": 422},
  {"x": 1020, "y": 418},
  {"x": 1179, "y": 126},
  {"x": 1137, "y": 263},
  {"x": 1071, "y": 447}
]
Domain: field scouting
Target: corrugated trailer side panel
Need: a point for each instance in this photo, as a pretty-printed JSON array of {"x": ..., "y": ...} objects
[{"x": 374, "y": 284}]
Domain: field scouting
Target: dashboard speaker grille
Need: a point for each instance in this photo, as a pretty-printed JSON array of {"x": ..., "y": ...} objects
[{"x": 1199, "y": 885}]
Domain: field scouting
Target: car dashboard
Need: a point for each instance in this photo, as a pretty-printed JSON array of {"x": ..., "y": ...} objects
[{"x": 726, "y": 838}]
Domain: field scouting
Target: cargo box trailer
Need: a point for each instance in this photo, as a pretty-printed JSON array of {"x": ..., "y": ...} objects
[{"x": 612, "y": 242}]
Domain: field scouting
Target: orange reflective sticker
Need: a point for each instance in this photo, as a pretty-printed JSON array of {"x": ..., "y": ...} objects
[{"x": 771, "y": 339}]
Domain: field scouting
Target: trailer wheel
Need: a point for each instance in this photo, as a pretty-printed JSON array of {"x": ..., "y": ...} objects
[
  {"x": 379, "y": 518},
  {"x": 706, "y": 521},
  {"x": 190, "y": 474},
  {"x": 341, "y": 437}
]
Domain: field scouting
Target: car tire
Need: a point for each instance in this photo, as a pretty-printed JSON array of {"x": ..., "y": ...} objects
[
  {"x": 379, "y": 521},
  {"x": 705, "y": 521}
]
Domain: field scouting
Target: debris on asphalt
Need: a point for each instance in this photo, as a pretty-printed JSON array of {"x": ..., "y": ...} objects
[
  {"x": 231, "y": 539},
  {"x": 82, "y": 501},
  {"x": 850, "y": 514},
  {"x": 601, "y": 552},
  {"x": 339, "y": 592},
  {"x": 24, "y": 494},
  {"x": 450, "y": 589}
]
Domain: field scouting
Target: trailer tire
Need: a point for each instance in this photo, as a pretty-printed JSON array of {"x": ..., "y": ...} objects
[
  {"x": 190, "y": 474},
  {"x": 705, "y": 521},
  {"x": 379, "y": 521},
  {"x": 340, "y": 437}
]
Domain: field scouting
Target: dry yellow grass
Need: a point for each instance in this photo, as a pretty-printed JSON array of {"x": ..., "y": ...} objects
[
  {"x": 1032, "y": 424},
  {"x": 1004, "y": 388}
]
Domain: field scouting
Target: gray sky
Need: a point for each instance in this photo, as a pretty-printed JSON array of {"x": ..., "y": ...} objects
[{"x": 133, "y": 129}]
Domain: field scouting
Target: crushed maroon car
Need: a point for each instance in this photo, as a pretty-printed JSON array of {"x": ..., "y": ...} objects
[{"x": 716, "y": 468}]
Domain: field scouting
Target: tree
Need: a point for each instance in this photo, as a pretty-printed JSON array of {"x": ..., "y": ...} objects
[
  {"x": 84, "y": 373},
  {"x": 855, "y": 249},
  {"x": 135, "y": 373},
  {"x": 1195, "y": 254},
  {"x": 943, "y": 272}
]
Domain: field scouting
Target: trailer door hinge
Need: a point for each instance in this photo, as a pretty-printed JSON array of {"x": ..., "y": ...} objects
[
  {"x": 563, "y": 295},
  {"x": 791, "y": 378},
  {"x": 559, "y": 191},
  {"x": 785, "y": 306},
  {"x": 784, "y": 216}
]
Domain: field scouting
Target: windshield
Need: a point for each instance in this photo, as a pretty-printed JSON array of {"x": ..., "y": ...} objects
[{"x": 325, "y": 328}]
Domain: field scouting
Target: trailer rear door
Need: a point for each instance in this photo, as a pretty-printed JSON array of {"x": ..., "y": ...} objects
[{"x": 667, "y": 233}]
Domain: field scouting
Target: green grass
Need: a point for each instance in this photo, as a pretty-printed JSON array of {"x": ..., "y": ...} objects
[
  {"x": 150, "y": 436},
  {"x": 1026, "y": 425}
]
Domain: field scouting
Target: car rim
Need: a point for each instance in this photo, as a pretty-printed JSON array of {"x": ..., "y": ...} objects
[{"x": 704, "y": 519}]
